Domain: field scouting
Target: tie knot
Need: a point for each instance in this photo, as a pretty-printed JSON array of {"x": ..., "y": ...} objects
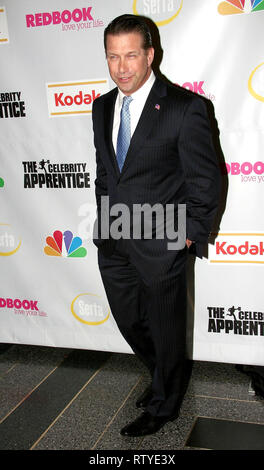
[{"x": 127, "y": 100}]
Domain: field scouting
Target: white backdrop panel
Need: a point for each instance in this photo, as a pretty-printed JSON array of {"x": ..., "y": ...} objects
[{"x": 52, "y": 68}]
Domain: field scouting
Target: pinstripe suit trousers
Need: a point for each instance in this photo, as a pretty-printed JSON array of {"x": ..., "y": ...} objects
[{"x": 151, "y": 315}]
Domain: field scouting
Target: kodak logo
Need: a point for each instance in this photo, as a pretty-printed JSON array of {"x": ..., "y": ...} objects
[
  {"x": 223, "y": 248},
  {"x": 78, "y": 99}
]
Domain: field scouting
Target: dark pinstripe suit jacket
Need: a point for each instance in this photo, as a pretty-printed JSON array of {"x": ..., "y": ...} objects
[{"x": 171, "y": 160}]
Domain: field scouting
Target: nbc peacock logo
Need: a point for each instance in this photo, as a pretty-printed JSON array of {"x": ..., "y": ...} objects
[
  {"x": 232, "y": 7},
  {"x": 64, "y": 244}
]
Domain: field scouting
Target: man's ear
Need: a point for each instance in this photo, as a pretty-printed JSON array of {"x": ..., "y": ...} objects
[{"x": 150, "y": 55}]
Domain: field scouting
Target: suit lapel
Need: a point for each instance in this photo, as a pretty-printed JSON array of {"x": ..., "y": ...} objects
[
  {"x": 148, "y": 117},
  {"x": 109, "y": 108}
]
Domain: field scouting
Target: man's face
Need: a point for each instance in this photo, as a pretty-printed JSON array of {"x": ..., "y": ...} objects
[{"x": 129, "y": 64}]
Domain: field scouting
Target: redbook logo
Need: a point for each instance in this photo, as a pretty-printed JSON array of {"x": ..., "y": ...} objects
[
  {"x": 74, "y": 98},
  {"x": 22, "y": 307},
  {"x": 70, "y": 20},
  {"x": 237, "y": 248},
  {"x": 247, "y": 171},
  {"x": 57, "y": 17},
  {"x": 17, "y": 303}
]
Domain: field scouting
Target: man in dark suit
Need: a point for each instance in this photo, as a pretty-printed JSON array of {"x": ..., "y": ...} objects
[{"x": 169, "y": 161}]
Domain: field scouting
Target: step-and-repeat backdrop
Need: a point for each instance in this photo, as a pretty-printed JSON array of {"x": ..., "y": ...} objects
[{"x": 52, "y": 69}]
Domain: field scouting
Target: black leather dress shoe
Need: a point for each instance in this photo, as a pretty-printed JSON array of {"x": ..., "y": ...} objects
[
  {"x": 144, "y": 398},
  {"x": 145, "y": 424}
]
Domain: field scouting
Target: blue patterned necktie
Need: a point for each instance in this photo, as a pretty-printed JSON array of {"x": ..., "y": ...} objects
[{"x": 124, "y": 133}]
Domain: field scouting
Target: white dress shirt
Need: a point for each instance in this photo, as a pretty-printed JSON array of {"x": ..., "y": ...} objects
[{"x": 136, "y": 106}]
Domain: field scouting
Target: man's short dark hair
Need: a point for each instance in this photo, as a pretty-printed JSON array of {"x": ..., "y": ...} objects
[{"x": 129, "y": 24}]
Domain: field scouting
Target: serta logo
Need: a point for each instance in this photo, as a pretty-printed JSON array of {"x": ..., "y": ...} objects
[
  {"x": 255, "y": 82},
  {"x": 73, "y": 98},
  {"x": 89, "y": 309},
  {"x": 57, "y": 17},
  {"x": 9, "y": 243},
  {"x": 237, "y": 248},
  {"x": 160, "y": 11}
]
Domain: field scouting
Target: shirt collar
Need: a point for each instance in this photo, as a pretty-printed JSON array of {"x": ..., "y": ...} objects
[{"x": 142, "y": 92}]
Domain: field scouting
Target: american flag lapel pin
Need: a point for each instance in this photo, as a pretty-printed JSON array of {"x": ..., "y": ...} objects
[{"x": 157, "y": 106}]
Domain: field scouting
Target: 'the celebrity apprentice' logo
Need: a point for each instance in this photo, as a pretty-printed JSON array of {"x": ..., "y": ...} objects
[
  {"x": 48, "y": 175},
  {"x": 11, "y": 105},
  {"x": 235, "y": 320}
]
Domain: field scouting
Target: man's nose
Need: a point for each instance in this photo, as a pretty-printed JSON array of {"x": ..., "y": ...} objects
[{"x": 122, "y": 65}]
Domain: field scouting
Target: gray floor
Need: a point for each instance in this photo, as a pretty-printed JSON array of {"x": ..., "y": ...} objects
[{"x": 61, "y": 399}]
